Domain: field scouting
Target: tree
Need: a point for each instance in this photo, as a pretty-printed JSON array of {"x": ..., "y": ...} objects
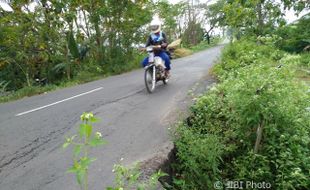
[
  {"x": 215, "y": 17},
  {"x": 171, "y": 18},
  {"x": 295, "y": 37},
  {"x": 249, "y": 17},
  {"x": 193, "y": 33}
]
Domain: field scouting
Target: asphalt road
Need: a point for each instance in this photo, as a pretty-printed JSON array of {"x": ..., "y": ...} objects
[{"x": 135, "y": 124}]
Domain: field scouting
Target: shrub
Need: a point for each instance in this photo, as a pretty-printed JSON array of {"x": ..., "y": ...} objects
[
  {"x": 246, "y": 53},
  {"x": 296, "y": 36},
  {"x": 200, "y": 157},
  {"x": 258, "y": 114}
]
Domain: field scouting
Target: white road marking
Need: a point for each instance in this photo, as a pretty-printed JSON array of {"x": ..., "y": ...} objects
[{"x": 39, "y": 108}]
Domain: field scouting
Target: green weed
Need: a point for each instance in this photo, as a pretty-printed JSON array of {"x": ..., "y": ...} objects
[{"x": 254, "y": 124}]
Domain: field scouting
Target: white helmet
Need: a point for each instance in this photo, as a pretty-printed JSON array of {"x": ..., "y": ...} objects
[{"x": 155, "y": 26}]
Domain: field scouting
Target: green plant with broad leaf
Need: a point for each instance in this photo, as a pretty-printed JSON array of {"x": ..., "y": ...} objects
[{"x": 82, "y": 142}]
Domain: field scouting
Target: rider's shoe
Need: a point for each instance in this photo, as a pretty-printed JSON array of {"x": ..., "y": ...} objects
[{"x": 167, "y": 74}]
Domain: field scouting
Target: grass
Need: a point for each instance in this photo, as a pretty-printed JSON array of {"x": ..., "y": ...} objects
[
  {"x": 183, "y": 52},
  {"x": 204, "y": 45},
  {"x": 26, "y": 92},
  {"x": 303, "y": 74},
  {"x": 87, "y": 76}
]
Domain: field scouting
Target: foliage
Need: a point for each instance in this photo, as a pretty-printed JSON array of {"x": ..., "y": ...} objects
[
  {"x": 171, "y": 18},
  {"x": 257, "y": 114},
  {"x": 57, "y": 39},
  {"x": 247, "y": 53},
  {"x": 25, "y": 92},
  {"x": 3, "y": 85},
  {"x": 82, "y": 142},
  {"x": 295, "y": 37},
  {"x": 204, "y": 44},
  {"x": 128, "y": 178},
  {"x": 193, "y": 34},
  {"x": 304, "y": 60},
  {"x": 252, "y": 17},
  {"x": 199, "y": 155},
  {"x": 216, "y": 14},
  {"x": 182, "y": 52},
  {"x": 62, "y": 41}
]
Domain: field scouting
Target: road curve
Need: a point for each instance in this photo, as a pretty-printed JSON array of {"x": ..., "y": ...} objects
[{"x": 133, "y": 122}]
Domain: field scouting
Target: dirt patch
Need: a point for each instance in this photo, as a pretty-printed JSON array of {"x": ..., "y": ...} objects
[{"x": 159, "y": 161}]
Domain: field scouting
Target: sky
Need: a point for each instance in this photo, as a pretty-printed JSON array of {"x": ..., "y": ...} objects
[
  {"x": 289, "y": 16},
  {"x": 5, "y": 6}
]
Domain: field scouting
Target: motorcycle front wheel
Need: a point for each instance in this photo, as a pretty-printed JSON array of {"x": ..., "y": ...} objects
[{"x": 150, "y": 78}]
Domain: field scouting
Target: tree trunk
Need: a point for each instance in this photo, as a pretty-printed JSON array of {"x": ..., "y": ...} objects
[
  {"x": 86, "y": 24},
  {"x": 208, "y": 34},
  {"x": 28, "y": 80},
  {"x": 259, "y": 135},
  {"x": 68, "y": 65},
  {"x": 260, "y": 18}
]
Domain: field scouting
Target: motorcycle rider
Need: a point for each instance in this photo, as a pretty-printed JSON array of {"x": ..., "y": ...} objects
[{"x": 158, "y": 38}]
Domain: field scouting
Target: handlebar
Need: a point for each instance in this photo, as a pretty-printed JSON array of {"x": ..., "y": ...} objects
[{"x": 157, "y": 47}]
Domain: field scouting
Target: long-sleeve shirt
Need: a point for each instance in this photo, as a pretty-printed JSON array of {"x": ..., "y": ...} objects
[{"x": 157, "y": 39}]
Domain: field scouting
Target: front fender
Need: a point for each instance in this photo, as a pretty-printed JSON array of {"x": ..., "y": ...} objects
[{"x": 148, "y": 66}]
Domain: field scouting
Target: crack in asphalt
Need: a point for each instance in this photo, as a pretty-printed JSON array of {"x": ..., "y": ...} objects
[
  {"x": 29, "y": 154},
  {"x": 31, "y": 150},
  {"x": 124, "y": 97}
]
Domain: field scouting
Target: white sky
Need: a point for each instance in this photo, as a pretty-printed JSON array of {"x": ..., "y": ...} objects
[
  {"x": 289, "y": 16},
  {"x": 5, "y": 6}
]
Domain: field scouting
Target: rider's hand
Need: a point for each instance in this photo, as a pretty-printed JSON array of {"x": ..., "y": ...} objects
[
  {"x": 157, "y": 47},
  {"x": 164, "y": 45},
  {"x": 142, "y": 49}
]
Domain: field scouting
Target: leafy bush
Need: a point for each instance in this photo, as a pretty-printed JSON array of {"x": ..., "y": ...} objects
[
  {"x": 305, "y": 60},
  {"x": 3, "y": 85},
  {"x": 204, "y": 44},
  {"x": 296, "y": 36},
  {"x": 246, "y": 53},
  {"x": 129, "y": 178},
  {"x": 25, "y": 92},
  {"x": 200, "y": 157},
  {"x": 258, "y": 114}
]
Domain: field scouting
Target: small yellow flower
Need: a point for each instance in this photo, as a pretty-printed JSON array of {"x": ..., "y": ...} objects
[
  {"x": 87, "y": 116},
  {"x": 98, "y": 134}
]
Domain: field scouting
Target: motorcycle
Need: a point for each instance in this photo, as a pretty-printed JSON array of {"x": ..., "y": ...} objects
[{"x": 155, "y": 70}]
